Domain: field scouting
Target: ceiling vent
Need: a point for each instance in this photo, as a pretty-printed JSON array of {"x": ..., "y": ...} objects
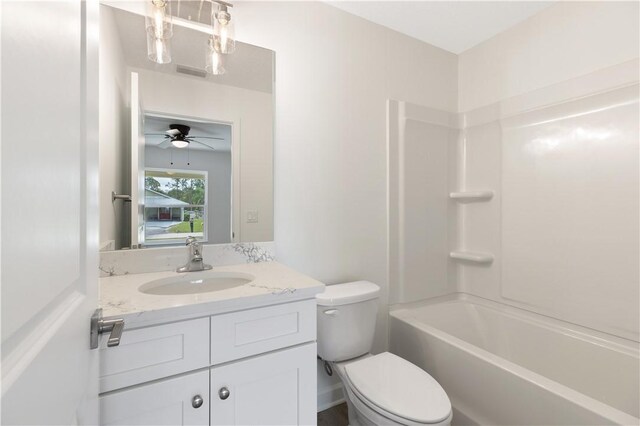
[{"x": 183, "y": 69}]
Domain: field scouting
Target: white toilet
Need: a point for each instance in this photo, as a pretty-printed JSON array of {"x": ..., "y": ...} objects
[{"x": 381, "y": 389}]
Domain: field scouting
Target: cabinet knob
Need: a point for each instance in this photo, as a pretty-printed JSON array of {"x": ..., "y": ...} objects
[
  {"x": 197, "y": 401},
  {"x": 224, "y": 393}
]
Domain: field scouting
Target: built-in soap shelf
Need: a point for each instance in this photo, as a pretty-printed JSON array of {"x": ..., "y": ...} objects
[
  {"x": 471, "y": 196},
  {"x": 472, "y": 256}
]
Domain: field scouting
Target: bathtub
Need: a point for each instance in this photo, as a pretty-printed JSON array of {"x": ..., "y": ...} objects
[{"x": 502, "y": 365}]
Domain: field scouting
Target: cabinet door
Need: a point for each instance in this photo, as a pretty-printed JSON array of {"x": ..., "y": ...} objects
[
  {"x": 278, "y": 388},
  {"x": 165, "y": 402}
]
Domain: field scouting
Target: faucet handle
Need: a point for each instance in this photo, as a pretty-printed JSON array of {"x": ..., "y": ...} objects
[{"x": 191, "y": 240}]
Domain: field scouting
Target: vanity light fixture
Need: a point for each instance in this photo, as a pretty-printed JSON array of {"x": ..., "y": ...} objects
[
  {"x": 223, "y": 28},
  {"x": 159, "y": 27}
]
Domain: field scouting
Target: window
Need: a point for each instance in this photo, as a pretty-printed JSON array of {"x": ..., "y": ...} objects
[{"x": 175, "y": 205}]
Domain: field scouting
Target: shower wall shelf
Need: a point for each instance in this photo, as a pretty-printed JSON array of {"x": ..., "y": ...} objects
[
  {"x": 471, "y": 196},
  {"x": 472, "y": 256}
]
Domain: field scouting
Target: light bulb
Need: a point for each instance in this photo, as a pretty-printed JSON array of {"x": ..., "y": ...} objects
[
  {"x": 158, "y": 19},
  {"x": 223, "y": 37},
  {"x": 158, "y": 49},
  {"x": 215, "y": 64},
  {"x": 223, "y": 31}
]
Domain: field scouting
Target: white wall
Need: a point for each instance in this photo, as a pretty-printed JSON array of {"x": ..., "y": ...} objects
[
  {"x": 114, "y": 137},
  {"x": 218, "y": 166},
  {"x": 564, "y": 41},
  {"x": 334, "y": 75},
  {"x": 251, "y": 113}
]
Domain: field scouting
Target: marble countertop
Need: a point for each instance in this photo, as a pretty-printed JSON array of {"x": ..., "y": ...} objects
[{"x": 274, "y": 284}]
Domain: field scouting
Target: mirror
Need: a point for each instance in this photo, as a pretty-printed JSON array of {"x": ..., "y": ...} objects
[{"x": 186, "y": 152}]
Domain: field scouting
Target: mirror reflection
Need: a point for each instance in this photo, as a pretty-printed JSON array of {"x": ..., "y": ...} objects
[
  {"x": 192, "y": 149},
  {"x": 187, "y": 164}
]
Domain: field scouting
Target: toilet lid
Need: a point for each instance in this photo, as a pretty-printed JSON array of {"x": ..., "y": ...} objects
[{"x": 399, "y": 387}]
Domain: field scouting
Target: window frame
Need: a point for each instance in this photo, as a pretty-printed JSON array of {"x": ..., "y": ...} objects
[{"x": 205, "y": 233}]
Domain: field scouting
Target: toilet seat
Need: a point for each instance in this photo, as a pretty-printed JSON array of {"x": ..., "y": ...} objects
[
  {"x": 398, "y": 390},
  {"x": 379, "y": 418}
]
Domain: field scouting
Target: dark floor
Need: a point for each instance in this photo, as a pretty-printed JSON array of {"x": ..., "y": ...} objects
[{"x": 334, "y": 416}]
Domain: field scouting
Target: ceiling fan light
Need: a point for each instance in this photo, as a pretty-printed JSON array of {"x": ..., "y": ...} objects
[{"x": 180, "y": 143}]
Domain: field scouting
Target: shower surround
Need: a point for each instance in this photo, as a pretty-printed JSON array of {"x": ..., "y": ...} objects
[{"x": 530, "y": 203}]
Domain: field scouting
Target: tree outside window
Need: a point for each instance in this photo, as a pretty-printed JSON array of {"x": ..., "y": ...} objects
[{"x": 175, "y": 205}]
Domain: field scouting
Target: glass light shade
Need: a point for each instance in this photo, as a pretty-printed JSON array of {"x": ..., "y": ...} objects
[
  {"x": 158, "y": 49},
  {"x": 180, "y": 144},
  {"x": 215, "y": 63},
  {"x": 158, "y": 20},
  {"x": 224, "y": 40}
]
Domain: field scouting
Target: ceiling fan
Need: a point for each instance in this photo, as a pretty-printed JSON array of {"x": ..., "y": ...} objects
[{"x": 178, "y": 136}]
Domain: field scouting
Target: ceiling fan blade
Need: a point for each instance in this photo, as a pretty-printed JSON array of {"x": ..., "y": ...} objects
[
  {"x": 157, "y": 134},
  {"x": 165, "y": 144},
  {"x": 173, "y": 132},
  {"x": 203, "y": 144},
  {"x": 206, "y": 137}
]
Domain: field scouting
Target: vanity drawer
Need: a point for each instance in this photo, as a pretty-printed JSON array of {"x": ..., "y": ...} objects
[
  {"x": 151, "y": 353},
  {"x": 245, "y": 333}
]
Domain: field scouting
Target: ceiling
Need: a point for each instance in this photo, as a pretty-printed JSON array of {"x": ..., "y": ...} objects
[
  {"x": 249, "y": 67},
  {"x": 155, "y": 127},
  {"x": 451, "y": 25}
]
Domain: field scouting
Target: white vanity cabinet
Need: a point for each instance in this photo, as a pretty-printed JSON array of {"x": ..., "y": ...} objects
[{"x": 248, "y": 367}]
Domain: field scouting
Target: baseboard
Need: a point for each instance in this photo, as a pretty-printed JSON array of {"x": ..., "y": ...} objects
[
  {"x": 461, "y": 419},
  {"x": 330, "y": 396}
]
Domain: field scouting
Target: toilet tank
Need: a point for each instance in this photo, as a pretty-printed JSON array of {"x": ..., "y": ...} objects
[{"x": 346, "y": 320}]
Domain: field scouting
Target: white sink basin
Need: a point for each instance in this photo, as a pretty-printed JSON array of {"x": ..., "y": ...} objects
[{"x": 195, "y": 282}]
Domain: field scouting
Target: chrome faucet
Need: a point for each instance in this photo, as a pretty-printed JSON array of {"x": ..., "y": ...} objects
[{"x": 195, "y": 262}]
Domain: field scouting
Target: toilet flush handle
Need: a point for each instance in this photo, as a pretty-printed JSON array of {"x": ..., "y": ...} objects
[{"x": 332, "y": 312}]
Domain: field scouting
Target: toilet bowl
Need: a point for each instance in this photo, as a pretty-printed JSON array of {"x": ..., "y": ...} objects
[
  {"x": 381, "y": 389},
  {"x": 385, "y": 389}
]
